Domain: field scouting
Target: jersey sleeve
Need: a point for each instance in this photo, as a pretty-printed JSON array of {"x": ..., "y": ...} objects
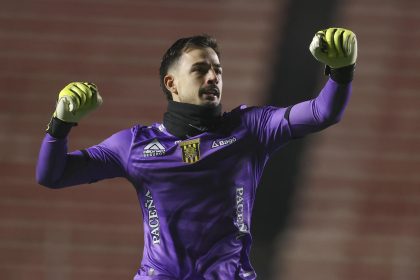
[
  {"x": 111, "y": 155},
  {"x": 323, "y": 111},
  {"x": 268, "y": 125},
  {"x": 56, "y": 168},
  {"x": 273, "y": 127}
]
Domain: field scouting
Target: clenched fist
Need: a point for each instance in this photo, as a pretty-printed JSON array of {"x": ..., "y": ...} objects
[
  {"x": 76, "y": 100},
  {"x": 335, "y": 47}
]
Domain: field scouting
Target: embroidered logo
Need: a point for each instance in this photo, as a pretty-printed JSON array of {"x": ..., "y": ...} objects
[
  {"x": 154, "y": 149},
  {"x": 223, "y": 142},
  {"x": 190, "y": 150}
]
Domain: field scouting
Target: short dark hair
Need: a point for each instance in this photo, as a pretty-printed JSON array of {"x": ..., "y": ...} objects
[{"x": 177, "y": 49}]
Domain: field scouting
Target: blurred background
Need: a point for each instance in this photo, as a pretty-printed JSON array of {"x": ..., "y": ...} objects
[{"x": 340, "y": 204}]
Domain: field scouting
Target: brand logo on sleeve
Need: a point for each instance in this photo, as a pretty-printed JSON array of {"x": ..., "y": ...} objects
[
  {"x": 223, "y": 142},
  {"x": 154, "y": 149},
  {"x": 190, "y": 150}
]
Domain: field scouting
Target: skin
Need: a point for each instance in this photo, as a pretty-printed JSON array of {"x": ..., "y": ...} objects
[{"x": 196, "y": 78}]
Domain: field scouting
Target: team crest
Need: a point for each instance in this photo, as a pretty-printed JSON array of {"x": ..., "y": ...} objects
[{"x": 190, "y": 150}]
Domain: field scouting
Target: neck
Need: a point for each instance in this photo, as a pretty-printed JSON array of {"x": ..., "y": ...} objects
[{"x": 185, "y": 120}]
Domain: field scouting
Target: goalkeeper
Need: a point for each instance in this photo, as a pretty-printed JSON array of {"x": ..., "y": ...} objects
[{"x": 196, "y": 172}]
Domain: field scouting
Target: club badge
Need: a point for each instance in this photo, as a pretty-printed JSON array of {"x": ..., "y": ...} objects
[{"x": 190, "y": 150}]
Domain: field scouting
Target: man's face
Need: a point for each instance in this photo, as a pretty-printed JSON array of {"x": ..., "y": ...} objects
[{"x": 196, "y": 78}]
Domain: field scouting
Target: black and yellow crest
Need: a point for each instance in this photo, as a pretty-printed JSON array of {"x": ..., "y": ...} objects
[{"x": 190, "y": 150}]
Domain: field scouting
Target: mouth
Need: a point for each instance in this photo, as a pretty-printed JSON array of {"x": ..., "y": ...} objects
[{"x": 210, "y": 92}]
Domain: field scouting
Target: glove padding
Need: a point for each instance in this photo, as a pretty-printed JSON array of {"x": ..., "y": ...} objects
[
  {"x": 76, "y": 100},
  {"x": 336, "y": 47}
]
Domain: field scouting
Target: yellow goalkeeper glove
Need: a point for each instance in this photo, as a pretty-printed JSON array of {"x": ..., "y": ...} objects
[
  {"x": 76, "y": 100},
  {"x": 336, "y": 47}
]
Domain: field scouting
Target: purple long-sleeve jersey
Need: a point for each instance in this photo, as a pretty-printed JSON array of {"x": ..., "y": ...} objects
[{"x": 196, "y": 195}]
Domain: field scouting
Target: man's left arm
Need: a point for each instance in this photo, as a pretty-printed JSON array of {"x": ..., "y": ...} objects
[
  {"x": 337, "y": 49},
  {"x": 273, "y": 127}
]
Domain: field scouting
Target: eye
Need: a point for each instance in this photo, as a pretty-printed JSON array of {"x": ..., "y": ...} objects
[
  {"x": 200, "y": 70},
  {"x": 203, "y": 70}
]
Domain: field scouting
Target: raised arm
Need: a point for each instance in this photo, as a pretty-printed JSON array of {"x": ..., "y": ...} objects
[
  {"x": 273, "y": 127},
  {"x": 56, "y": 167},
  {"x": 337, "y": 49}
]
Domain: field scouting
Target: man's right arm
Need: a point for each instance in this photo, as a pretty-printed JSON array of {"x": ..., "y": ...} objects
[{"x": 56, "y": 167}]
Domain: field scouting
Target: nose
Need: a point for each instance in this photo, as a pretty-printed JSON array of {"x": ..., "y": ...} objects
[{"x": 212, "y": 77}]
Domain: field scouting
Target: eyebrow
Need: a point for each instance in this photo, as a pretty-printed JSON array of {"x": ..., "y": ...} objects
[{"x": 216, "y": 65}]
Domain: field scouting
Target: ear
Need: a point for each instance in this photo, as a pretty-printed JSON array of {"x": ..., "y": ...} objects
[{"x": 169, "y": 82}]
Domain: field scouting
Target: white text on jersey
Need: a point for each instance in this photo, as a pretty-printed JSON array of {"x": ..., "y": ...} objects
[
  {"x": 223, "y": 142},
  {"x": 152, "y": 218}
]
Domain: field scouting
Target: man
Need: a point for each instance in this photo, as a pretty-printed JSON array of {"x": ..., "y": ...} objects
[{"x": 196, "y": 174}]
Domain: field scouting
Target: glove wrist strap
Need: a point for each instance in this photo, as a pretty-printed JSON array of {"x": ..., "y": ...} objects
[
  {"x": 59, "y": 129},
  {"x": 343, "y": 75}
]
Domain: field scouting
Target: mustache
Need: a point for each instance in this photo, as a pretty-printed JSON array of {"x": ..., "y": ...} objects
[{"x": 211, "y": 88}]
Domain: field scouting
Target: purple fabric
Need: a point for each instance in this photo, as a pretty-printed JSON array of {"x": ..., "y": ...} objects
[
  {"x": 196, "y": 216},
  {"x": 326, "y": 109},
  {"x": 56, "y": 168}
]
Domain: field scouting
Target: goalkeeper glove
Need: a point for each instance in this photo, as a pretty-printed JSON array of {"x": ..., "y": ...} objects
[
  {"x": 74, "y": 101},
  {"x": 337, "y": 48}
]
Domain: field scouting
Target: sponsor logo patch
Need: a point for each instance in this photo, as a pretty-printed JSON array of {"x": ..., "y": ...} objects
[
  {"x": 240, "y": 212},
  {"x": 190, "y": 150},
  {"x": 223, "y": 142},
  {"x": 154, "y": 149},
  {"x": 153, "y": 218}
]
